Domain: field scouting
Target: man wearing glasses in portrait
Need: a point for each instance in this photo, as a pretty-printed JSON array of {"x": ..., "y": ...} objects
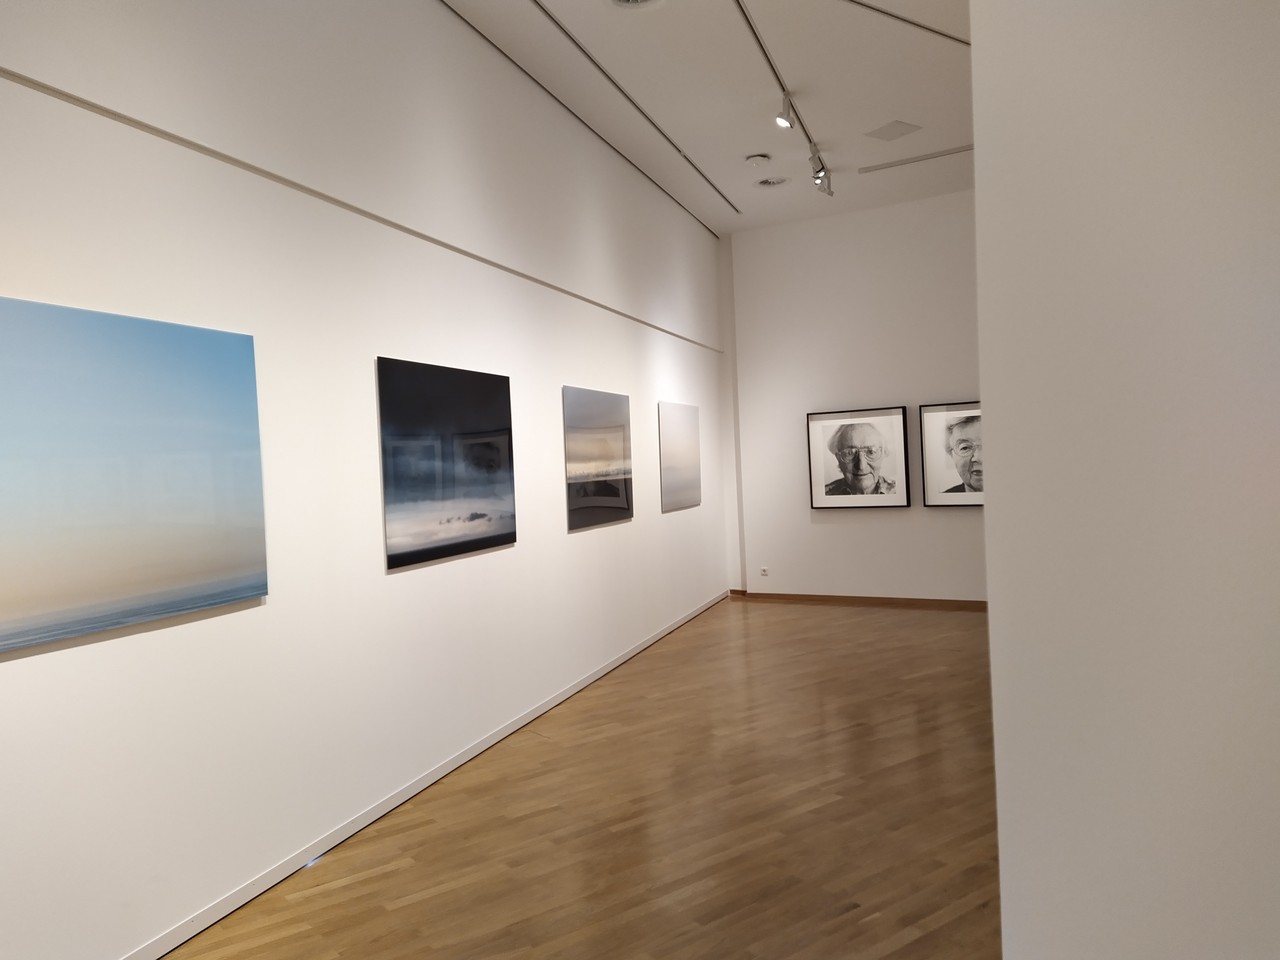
[
  {"x": 964, "y": 445},
  {"x": 859, "y": 450}
]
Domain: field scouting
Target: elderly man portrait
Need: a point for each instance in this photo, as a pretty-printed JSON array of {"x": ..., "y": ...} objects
[
  {"x": 964, "y": 446},
  {"x": 860, "y": 452}
]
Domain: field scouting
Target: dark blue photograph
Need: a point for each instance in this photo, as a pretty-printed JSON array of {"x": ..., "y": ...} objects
[{"x": 448, "y": 478}]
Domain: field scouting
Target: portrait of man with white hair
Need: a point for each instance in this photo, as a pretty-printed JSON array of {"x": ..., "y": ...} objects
[{"x": 857, "y": 458}]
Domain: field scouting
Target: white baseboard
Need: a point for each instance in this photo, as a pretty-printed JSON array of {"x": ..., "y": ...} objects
[{"x": 154, "y": 949}]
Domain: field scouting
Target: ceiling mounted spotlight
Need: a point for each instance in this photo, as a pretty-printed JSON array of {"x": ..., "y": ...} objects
[
  {"x": 786, "y": 117},
  {"x": 789, "y": 116},
  {"x": 815, "y": 162}
]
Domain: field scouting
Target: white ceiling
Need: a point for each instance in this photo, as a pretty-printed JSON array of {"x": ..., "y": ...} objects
[{"x": 709, "y": 93}]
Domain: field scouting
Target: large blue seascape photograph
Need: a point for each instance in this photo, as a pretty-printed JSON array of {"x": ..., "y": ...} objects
[{"x": 130, "y": 472}]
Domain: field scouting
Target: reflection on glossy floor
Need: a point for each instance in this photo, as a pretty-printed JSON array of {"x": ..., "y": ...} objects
[{"x": 774, "y": 781}]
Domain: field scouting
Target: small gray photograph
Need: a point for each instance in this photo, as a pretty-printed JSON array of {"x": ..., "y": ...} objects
[{"x": 679, "y": 456}]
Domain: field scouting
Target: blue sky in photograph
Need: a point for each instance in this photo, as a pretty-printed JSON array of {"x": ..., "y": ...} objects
[
  {"x": 129, "y": 459},
  {"x": 120, "y": 383}
]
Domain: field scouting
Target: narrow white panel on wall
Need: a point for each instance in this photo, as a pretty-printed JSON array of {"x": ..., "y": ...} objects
[{"x": 680, "y": 456}]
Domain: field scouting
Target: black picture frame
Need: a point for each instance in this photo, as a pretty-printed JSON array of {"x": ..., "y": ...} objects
[
  {"x": 836, "y": 482},
  {"x": 952, "y": 477}
]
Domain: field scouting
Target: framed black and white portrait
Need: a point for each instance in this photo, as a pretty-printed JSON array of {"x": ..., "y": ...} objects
[
  {"x": 951, "y": 451},
  {"x": 858, "y": 458}
]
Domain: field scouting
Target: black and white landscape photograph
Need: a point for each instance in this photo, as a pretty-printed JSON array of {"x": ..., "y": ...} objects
[{"x": 597, "y": 457}]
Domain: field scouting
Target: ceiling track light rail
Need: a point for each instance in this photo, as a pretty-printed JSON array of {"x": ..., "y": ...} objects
[
  {"x": 907, "y": 20},
  {"x": 789, "y": 117},
  {"x": 612, "y": 81}
]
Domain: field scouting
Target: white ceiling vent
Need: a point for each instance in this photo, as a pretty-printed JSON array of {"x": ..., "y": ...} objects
[
  {"x": 772, "y": 181},
  {"x": 635, "y": 4},
  {"x": 893, "y": 130}
]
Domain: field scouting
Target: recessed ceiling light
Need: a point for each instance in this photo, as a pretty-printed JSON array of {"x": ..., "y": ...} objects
[
  {"x": 633, "y": 4},
  {"x": 758, "y": 159},
  {"x": 771, "y": 182},
  {"x": 893, "y": 130}
]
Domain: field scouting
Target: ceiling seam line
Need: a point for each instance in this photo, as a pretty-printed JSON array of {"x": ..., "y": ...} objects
[
  {"x": 631, "y": 100},
  {"x": 212, "y": 153},
  {"x": 755, "y": 35},
  {"x": 569, "y": 110},
  {"x": 924, "y": 156},
  {"x": 907, "y": 20}
]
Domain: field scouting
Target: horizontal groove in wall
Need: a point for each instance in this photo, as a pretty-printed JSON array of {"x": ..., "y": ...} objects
[
  {"x": 39, "y": 86},
  {"x": 900, "y": 603}
]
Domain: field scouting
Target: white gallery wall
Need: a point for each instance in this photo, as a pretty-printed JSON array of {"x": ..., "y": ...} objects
[
  {"x": 168, "y": 772},
  {"x": 862, "y": 310},
  {"x": 1128, "y": 222}
]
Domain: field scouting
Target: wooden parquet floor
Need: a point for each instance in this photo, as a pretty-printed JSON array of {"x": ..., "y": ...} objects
[{"x": 773, "y": 781}]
